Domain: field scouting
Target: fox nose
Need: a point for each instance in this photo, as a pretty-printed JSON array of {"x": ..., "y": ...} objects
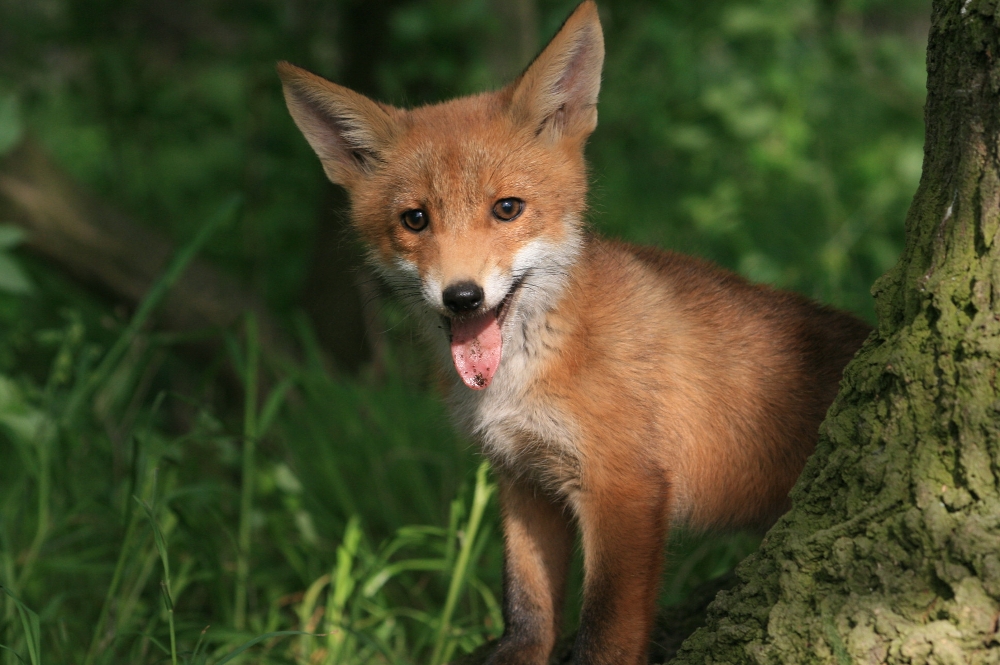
[{"x": 462, "y": 297}]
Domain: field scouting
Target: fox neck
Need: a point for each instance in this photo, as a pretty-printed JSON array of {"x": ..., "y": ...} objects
[{"x": 531, "y": 338}]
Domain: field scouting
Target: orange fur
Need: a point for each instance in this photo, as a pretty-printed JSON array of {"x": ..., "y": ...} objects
[{"x": 637, "y": 388}]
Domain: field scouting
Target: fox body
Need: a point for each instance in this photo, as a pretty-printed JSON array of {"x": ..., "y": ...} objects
[{"x": 618, "y": 390}]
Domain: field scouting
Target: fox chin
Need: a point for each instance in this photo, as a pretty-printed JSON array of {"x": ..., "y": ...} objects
[{"x": 618, "y": 390}]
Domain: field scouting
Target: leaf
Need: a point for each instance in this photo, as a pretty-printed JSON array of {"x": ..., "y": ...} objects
[
  {"x": 12, "y": 278},
  {"x": 373, "y": 585},
  {"x": 10, "y": 236}
]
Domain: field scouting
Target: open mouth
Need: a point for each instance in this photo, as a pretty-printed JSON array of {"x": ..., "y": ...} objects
[
  {"x": 499, "y": 312},
  {"x": 477, "y": 341},
  {"x": 501, "y": 309}
]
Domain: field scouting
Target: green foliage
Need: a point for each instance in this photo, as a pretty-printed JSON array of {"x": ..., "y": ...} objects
[
  {"x": 109, "y": 504},
  {"x": 781, "y": 138},
  {"x": 12, "y": 277},
  {"x": 92, "y": 446},
  {"x": 311, "y": 517}
]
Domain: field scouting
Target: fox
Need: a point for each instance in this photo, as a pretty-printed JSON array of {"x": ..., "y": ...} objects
[{"x": 617, "y": 390}]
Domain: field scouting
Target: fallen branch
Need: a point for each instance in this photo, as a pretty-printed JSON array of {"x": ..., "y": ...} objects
[{"x": 101, "y": 246}]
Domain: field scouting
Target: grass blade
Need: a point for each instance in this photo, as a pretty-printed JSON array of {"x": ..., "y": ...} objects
[
  {"x": 199, "y": 645},
  {"x": 341, "y": 586},
  {"x": 480, "y": 498},
  {"x": 112, "y": 589},
  {"x": 9, "y": 650},
  {"x": 306, "y": 610},
  {"x": 168, "y": 600},
  {"x": 32, "y": 629},
  {"x": 373, "y": 585},
  {"x": 247, "y": 478},
  {"x": 272, "y": 405},
  {"x": 149, "y": 304}
]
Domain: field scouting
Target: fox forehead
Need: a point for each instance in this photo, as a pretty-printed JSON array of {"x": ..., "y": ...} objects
[{"x": 457, "y": 156}]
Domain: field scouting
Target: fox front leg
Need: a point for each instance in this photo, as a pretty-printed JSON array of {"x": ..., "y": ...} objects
[
  {"x": 538, "y": 543},
  {"x": 623, "y": 528}
]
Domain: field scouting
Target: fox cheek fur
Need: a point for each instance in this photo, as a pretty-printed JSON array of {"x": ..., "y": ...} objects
[{"x": 617, "y": 389}]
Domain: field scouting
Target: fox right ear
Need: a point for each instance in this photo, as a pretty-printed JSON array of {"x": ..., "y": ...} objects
[
  {"x": 347, "y": 130},
  {"x": 557, "y": 94}
]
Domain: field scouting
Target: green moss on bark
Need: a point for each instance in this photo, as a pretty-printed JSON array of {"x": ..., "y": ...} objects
[{"x": 891, "y": 552}]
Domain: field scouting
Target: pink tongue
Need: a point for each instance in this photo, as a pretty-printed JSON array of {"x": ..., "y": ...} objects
[{"x": 475, "y": 347}]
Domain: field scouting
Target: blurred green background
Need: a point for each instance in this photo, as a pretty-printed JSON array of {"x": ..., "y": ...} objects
[{"x": 155, "y": 481}]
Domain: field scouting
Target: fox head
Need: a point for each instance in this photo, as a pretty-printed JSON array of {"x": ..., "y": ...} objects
[{"x": 474, "y": 203}]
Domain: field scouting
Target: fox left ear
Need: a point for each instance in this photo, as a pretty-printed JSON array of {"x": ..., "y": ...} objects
[
  {"x": 348, "y": 131},
  {"x": 558, "y": 92}
]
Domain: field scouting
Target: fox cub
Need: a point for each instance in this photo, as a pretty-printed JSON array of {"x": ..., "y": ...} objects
[{"x": 616, "y": 389}]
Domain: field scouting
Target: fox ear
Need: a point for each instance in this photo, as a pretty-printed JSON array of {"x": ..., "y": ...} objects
[
  {"x": 348, "y": 131},
  {"x": 558, "y": 92}
]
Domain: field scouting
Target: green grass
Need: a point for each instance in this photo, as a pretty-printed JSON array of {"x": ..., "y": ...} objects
[
  {"x": 168, "y": 548},
  {"x": 89, "y": 454}
]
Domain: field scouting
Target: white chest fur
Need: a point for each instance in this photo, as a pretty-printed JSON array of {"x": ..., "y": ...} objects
[{"x": 518, "y": 425}]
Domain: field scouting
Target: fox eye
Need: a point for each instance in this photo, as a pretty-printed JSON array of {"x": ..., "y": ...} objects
[
  {"x": 508, "y": 209},
  {"x": 415, "y": 220}
]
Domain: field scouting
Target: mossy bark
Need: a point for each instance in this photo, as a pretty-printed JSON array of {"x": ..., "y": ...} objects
[{"x": 891, "y": 552}]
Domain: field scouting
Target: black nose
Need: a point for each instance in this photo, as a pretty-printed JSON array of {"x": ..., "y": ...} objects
[{"x": 463, "y": 297}]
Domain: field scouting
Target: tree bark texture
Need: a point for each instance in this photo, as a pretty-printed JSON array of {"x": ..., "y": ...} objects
[{"x": 891, "y": 552}]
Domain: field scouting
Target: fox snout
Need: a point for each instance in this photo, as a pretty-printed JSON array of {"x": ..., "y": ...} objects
[{"x": 462, "y": 297}]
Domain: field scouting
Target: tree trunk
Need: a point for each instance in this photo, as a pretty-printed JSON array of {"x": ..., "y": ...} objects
[
  {"x": 891, "y": 552},
  {"x": 341, "y": 294},
  {"x": 515, "y": 41}
]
